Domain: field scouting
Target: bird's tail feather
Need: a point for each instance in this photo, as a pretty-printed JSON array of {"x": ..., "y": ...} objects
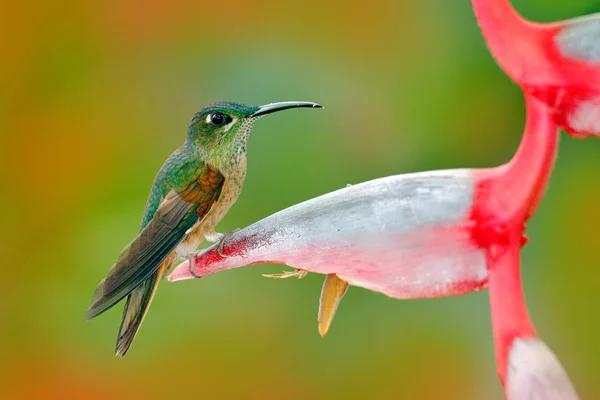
[{"x": 135, "y": 310}]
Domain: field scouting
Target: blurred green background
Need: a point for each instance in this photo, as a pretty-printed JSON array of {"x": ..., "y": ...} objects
[{"x": 95, "y": 95}]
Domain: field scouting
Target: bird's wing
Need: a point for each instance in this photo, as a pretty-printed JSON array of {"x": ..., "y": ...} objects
[{"x": 176, "y": 214}]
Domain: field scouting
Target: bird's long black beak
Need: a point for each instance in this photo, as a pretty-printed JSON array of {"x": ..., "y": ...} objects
[{"x": 284, "y": 105}]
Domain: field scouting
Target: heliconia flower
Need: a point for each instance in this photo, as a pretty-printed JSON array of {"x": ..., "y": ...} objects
[
  {"x": 445, "y": 233},
  {"x": 428, "y": 234},
  {"x": 559, "y": 62}
]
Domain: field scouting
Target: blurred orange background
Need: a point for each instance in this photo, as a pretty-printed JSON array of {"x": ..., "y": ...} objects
[{"x": 95, "y": 96}]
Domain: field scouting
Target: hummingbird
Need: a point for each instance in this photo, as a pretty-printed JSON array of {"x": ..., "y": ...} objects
[{"x": 192, "y": 192}]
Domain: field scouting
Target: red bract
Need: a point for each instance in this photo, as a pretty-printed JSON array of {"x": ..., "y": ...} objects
[{"x": 559, "y": 63}]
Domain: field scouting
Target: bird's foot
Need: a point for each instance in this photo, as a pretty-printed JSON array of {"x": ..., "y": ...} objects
[
  {"x": 221, "y": 240},
  {"x": 298, "y": 273},
  {"x": 191, "y": 258},
  {"x": 214, "y": 237}
]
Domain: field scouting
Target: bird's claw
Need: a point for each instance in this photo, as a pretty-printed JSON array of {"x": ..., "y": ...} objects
[
  {"x": 298, "y": 273},
  {"x": 222, "y": 242},
  {"x": 191, "y": 258}
]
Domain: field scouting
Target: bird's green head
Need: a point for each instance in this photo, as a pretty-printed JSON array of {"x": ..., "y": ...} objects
[{"x": 226, "y": 125}]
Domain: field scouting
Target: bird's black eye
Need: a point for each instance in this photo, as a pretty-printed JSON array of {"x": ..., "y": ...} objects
[{"x": 219, "y": 119}]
